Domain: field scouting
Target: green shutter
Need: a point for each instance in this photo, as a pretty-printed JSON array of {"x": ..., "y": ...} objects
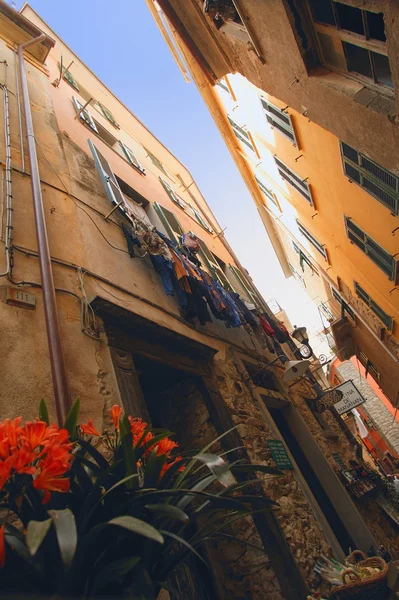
[
  {"x": 131, "y": 157},
  {"x": 108, "y": 114},
  {"x": 161, "y": 214}
]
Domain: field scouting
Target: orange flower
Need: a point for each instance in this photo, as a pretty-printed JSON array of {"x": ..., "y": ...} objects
[
  {"x": 5, "y": 470},
  {"x": 49, "y": 480},
  {"x": 37, "y": 432},
  {"x": 11, "y": 430},
  {"x": 89, "y": 429},
  {"x": 165, "y": 446},
  {"x": 2, "y": 545},
  {"x": 22, "y": 459},
  {"x": 116, "y": 412},
  {"x": 167, "y": 466}
]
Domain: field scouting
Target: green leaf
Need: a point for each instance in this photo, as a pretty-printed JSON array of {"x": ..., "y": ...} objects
[
  {"x": 94, "y": 453},
  {"x": 182, "y": 541},
  {"x": 153, "y": 469},
  {"x": 22, "y": 551},
  {"x": 199, "y": 486},
  {"x": 43, "y": 412},
  {"x": 128, "y": 450},
  {"x": 35, "y": 534},
  {"x": 218, "y": 467},
  {"x": 138, "y": 526},
  {"x": 71, "y": 420},
  {"x": 115, "y": 570},
  {"x": 166, "y": 510},
  {"x": 65, "y": 528}
]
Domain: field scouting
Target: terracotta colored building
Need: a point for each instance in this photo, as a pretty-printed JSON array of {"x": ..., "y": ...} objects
[
  {"x": 304, "y": 96},
  {"x": 96, "y": 316}
]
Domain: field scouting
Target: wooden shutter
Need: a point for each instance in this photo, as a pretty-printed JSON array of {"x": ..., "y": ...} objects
[
  {"x": 131, "y": 157},
  {"x": 170, "y": 222},
  {"x": 85, "y": 114},
  {"x": 108, "y": 178}
]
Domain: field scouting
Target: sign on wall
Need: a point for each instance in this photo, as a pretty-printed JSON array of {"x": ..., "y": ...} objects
[
  {"x": 351, "y": 397},
  {"x": 279, "y": 454}
]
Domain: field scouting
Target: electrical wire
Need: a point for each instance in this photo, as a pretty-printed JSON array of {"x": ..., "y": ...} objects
[{"x": 77, "y": 205}]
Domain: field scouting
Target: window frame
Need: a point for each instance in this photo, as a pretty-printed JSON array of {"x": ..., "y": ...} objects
[
  {"x": 321, "y": 248},
  {"x": 172, "y": 194},
  {"x": 247, "y": 285},
  {"x": 199, "y": 218},
  {"x": 131, "y": 157},
  {"x": 84, "y": 115},
  {"x": 161, "y": 212},
  {"x": 304, "y": 258},
  {"x": 369, "y": 44},
  {"x": 108, "y": 178},
  {"x": 368, "y": 365},
  {"x": 269, "y": 194},
  {"x": 299, "y": 184},
  {"x": 277, "y": 122},
  {"x": 385, "y": 319},
  {"x": 296, "y": 274},
  {"x": 155, "y": 161},
  {"x": 243, "y": 135},
  {"x": 69, "y": 78},
  {"x": 344, "y": 304},
  {"x": 211, "y": 263},
  {"x": 368, "y": 242},
  {"x": 108, "y": 114},
  {"x": 367, "y": 175}
]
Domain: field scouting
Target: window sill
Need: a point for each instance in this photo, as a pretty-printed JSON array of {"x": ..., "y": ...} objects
[{"x": 371, "y": 96}]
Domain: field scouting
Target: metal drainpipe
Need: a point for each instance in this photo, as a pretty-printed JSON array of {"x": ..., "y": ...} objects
[{"x": 60, "y": 383}]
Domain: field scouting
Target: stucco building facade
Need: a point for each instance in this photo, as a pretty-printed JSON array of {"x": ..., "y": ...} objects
[
  {"x": 125, "y": 340},
  {"x": 304, "y": 96}
]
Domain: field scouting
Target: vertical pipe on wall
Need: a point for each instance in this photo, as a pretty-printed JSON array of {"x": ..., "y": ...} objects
[{"x": 59, "y": 376}]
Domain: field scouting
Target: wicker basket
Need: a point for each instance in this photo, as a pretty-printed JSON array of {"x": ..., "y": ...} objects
[{"x": 372, "y": 588}]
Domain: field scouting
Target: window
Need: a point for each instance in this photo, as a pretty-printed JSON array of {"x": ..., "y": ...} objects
[
  {"x": 223, "y": 85},
  {"x": 108, "y": 114},
  {"x": 214, "y": 265},
  {"x": 70, "y": 79},
  {"x": 374, "y": 251},
  {"x": 131, "y": 157},
  {"x": 242, "y": 135},
  {"x": 368, "y": 365},
  {"x": 156, "y": 161},
  {"x": 85, "y": 115},
  {"x": 319, "y": 247},
  {"x": 172, "y": 195},
  {"x": 247, "y": 286},
  {"x": 200, "y": 218},
  {"x": 296, "y": 274},
  {"x": 109, "y": 180},
  {"x": 303, "y": 259},
  {"x": 105, "y": 135},
  {"x": 352, "y": 39},
  {"x": 266, "y": 192},
  {"x": 293, "y": 179},
  {"x": 372, "y": 177},
  {"x": 279, "y": 119},
  {"x": 377, "y": 310},
  {"x": 170, "y": 222},
  {"x": 344, "y": 305}
]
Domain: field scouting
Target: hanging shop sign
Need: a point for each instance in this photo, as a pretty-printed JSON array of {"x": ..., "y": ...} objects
[
  {"x": 351, "y": 397},
  {"x": 279, "y": 454},
  {"x": 328, "y": 400}
]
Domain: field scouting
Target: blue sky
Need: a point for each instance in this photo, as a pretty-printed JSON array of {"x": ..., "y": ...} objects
[{"x": 136, "y": 64}]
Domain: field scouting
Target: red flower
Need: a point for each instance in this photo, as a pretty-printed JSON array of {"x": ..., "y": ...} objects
[
  {"x": 138, "y": 426},
  {"x": 2, "y": 545},
  {"x": 37, "y": 432},
  {"x": 116, "y": 412},
  {"x": 89, "y": 429},
  {"x": 49, "y": 480},
  {"x": 167, "y": 466},
  {"x": 165, "y": 446},
  {"x": 22, "y": 459}
]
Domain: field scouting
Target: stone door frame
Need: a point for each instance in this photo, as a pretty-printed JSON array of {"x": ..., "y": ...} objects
[
  {"x": 344, "y": 505},
  {"x": 129, "y": 334}
]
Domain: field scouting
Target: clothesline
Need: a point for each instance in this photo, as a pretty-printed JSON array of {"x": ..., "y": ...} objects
[{"x": 196, "y": 291}]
